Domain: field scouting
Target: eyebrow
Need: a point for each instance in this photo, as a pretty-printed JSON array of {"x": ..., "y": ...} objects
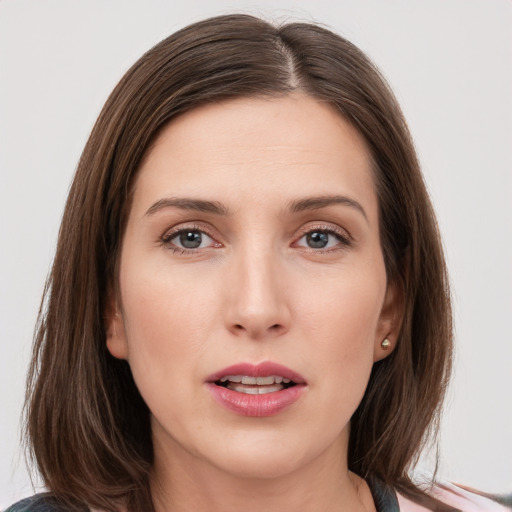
[
  {"x": 197, "y": 205},
  {"x": 316, "y": 203},
  {"x": 217, "y": 208}
]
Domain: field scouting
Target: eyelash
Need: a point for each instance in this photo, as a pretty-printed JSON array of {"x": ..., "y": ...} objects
[
  {"x": 342, "y": 236},
  {"x": 344, "y": 239},
  {"x": 170, "y": 235}
]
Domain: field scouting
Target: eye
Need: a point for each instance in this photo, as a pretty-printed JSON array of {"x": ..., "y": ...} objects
[
  {"x": 323, "y": 239},
  {"x": 189, "y": 239}
]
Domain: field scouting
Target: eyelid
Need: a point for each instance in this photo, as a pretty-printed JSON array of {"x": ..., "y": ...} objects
[{"x": 185, "y": 226}]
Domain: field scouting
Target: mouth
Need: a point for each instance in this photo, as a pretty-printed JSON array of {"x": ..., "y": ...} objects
[
  {"x": 255, "y": 385},
  {"x": 264, "y": 389}
]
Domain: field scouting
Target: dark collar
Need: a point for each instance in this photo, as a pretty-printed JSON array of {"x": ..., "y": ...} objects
[{"x": 383, "y": 496}]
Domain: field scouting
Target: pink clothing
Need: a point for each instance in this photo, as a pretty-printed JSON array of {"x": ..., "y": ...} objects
[{"x": 456, "y": 497}]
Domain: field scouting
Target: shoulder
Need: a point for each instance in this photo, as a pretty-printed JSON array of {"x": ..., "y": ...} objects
[
  {"x": 37, "y": 503},
  {"x": 460, "y": 498}
]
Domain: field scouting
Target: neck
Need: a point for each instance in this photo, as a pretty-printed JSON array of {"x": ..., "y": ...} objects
[{"x": 183, "y": 483}]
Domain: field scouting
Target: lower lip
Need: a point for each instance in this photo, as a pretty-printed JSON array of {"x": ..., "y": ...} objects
[{"x": 268, "y": 404}]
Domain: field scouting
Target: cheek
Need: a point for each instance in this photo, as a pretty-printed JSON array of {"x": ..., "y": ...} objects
[
  {"x": 341, "y": 320},
  {"x": 164, "y": 319},
  {"x": 346, "y": 308},
  {"x": 163, "y": 305},
  {"x": 163, "y": 330}
]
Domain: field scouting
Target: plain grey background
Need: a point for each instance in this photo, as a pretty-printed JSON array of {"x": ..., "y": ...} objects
[{"x": 450, "y": 64}]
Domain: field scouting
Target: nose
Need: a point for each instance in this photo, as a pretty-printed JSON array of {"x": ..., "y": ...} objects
[{"x": 257, "y": 305}]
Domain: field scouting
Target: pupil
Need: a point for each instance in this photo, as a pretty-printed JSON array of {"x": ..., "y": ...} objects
[
  {"x": 317, "y": 239},
  {"x": 190, "y": 239}
]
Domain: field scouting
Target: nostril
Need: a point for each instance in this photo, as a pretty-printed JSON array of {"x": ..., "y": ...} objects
[{"x": 256, "y": 329}]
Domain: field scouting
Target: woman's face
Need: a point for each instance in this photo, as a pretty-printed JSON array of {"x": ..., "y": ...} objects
[{"x": 253, "y": 294}]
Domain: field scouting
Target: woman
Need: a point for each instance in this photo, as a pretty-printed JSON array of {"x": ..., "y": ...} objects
[{"x": 248, "y": 307}]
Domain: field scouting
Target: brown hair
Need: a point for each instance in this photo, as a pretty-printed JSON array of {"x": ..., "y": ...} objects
[{"x": 86, "y": 422}]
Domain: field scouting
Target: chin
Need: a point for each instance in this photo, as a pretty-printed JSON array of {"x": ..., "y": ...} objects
[
  {"x": 264, "y": 455},
  {"x": 262, "y": 464}
]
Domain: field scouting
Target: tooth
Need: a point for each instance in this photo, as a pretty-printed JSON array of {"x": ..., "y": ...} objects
[
  {"x": 270, "y": 389},
  {"x": 248, "y": 391},
  {"x": 260, "y": 381},
  {"x": 256, "y": 390},
  {"x": 265, "y": 381}
]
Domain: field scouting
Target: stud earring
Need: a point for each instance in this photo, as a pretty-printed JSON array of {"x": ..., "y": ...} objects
[{"x": 385, "y": 344}]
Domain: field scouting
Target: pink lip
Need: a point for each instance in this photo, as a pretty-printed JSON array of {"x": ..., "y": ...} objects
[{"x": 268, "y": 404}]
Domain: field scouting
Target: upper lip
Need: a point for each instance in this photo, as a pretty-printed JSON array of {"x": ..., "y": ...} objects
[{"x": 264, "y": 369}]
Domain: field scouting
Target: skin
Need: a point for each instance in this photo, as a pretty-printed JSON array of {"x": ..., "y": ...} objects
[{"x": 253, "y": 291}]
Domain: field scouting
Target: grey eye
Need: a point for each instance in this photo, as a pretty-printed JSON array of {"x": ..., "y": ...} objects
[
  {"x": 317, "y": 239},
  {"x": 190, "y": 239},
  {"x": 323, "y": 239}
]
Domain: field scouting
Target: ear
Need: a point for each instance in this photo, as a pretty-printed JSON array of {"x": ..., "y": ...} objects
[
  {"x": 390, "y": 321},
  {"x": 116, "y": 334}
]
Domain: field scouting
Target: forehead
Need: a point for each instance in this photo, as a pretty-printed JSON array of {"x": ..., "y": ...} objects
[{"x": 274, "y": 147}]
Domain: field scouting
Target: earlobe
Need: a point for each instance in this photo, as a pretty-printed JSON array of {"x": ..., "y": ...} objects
[
  {"x": 383, "y": 349},
  {"x": 390, "y": 322}
]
